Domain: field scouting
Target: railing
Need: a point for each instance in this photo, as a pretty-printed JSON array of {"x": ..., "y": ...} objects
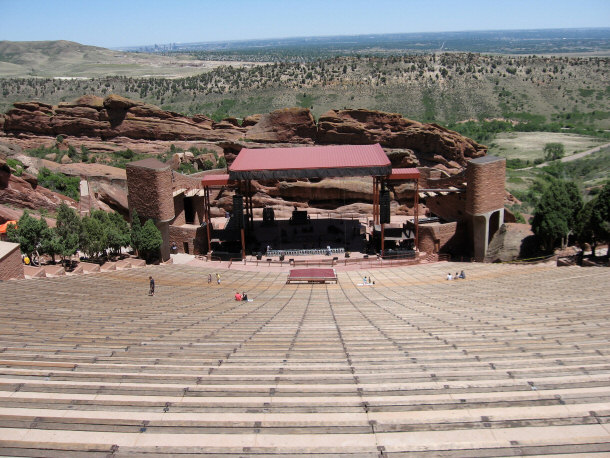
[{"x": 304, "y": 252}]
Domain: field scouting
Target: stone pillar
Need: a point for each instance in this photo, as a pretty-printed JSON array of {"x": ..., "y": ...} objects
[
  {"x": 150, "y": 192},
  {"x": 485, "y": 192}
]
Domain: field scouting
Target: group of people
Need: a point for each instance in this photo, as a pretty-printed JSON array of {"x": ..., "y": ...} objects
[
  {"x": 461, "y": 275},
  {"x": 241, "y": 297},
  {"x": 217, "y": 278},
  {"x": 367, "y": 281}
]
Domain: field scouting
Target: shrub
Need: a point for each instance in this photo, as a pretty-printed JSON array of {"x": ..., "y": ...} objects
[
  {"x": 58, "y": 182},
  {"x": 16, "y": 166},
  {"x": 553, "y": 151}
]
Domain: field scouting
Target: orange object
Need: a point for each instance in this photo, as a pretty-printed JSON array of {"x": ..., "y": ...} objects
[{"x": 4, "y": 227}]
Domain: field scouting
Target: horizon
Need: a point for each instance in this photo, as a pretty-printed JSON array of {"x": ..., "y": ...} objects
[{"x": 139, "y": 23}]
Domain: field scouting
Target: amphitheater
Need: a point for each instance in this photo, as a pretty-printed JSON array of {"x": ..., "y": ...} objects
[{"x": 513, "y": 360}]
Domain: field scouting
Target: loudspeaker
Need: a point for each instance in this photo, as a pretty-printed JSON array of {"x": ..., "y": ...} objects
[
  {"x": 238, "y": 210},
  {"x": 384, "y": 206},
  {"x": 268, "y": 215}
]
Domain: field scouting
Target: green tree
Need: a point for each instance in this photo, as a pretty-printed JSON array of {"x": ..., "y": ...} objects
[
  {"x": 554, "y": 151},
  {"x": 584, "y": 230},
  {"x": 92, "y": 236},
  {"x": 68, "y": 227},
  {"x": 556, "y": 213},
  {"x": 51, "y": 242},
  {"x": 28, "y": 234},
  {"x": 136, "y": 232},
  {"x": 600, "y": 215},
  {"x": 118, "y": 233},
  {"x": 150, "y": 241}
]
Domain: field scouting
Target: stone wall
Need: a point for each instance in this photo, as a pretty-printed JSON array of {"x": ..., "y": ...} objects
[
  {"x": 451, "y": 207},
  {"x": 443, "y": 238},
  {"x": 179, "y": 214},
  {"x": 194, "y": 236},
  {"x": 485, "y": 191},
  {"x": 435, "y": 179},
  {"x": 11, "y": 266}
]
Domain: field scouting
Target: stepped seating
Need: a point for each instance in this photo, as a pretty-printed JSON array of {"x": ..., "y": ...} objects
[{"x": 514, "y": 360}]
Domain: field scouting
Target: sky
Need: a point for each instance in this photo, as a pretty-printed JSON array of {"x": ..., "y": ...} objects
[{"x": 116, "y": 23}]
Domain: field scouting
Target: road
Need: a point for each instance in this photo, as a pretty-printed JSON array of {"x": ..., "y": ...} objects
[{"x": 573, "y": 157}]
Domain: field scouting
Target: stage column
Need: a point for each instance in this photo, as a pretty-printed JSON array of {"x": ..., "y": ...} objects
[
  {"x": 206, "y": 204},
  {"x": 416, "y": 215}
]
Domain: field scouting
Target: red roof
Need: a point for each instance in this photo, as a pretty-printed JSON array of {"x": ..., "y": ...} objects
[
  {"x": 310, "y": 162},
  {"x": 404, "y": 174},
  {"x": 215, "y": 180}
]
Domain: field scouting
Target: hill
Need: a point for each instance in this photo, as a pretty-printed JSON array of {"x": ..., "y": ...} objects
[
  {"x": 67, "y": 59},
  {"x": 445, "y": 88}
]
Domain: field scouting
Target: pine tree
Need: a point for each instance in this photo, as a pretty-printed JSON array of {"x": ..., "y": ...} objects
[
  {"x": 29, "y": 234},
  {"x": 600, "y": 215},
  {"x": 92, "y": 236},
  {"x": 136, "y": 229},
  {"x": 150, "y": 241},
  {"x": 68, "y": 228},
  {"x": 556, "y": 213}
]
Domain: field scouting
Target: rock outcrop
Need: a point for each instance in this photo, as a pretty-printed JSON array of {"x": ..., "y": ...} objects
[
  {"x": 116, "y": 122},
  {"x": 112, "y": 117},
  {"x": 19, "y": 192},
  {"x": 293, "y": 125},
  {"x": 510, "y": 242},
  {"x": 430, "y": 142}
]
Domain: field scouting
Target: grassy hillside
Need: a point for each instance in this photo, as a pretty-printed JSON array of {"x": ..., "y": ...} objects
[
  {"x": 444, "y": 88},
  {"x": 66, "y": 59}
]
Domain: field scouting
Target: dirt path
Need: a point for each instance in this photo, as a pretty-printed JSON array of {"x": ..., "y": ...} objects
[{"x": 573, "y": 157}]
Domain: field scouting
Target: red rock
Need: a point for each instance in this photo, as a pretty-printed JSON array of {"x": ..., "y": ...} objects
[
  {"x": 87, "y": 100},
  {"x": 393, "y": 131},
  {"x": 251, "y": 120},
  {"x": 117, "y": 102},
  {"x": 18, "y": 192},
  {"x": 293, "y": 125}
]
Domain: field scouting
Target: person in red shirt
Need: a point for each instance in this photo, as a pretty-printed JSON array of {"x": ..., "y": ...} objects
[{"x": 237, "y": 296}]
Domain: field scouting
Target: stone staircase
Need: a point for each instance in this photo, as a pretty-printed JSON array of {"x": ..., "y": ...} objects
[
  {"x": 82, "y": 268},
  {"x": 515, "y": 360}
]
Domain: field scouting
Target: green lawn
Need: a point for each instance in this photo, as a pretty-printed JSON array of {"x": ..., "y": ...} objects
[{"x": 529, "y": 145}]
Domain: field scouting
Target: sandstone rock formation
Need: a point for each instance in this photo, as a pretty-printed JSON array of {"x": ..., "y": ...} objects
[
  {"x": 294, "y": 125},
  {"x": 116, "y": 123},
  {"x": 114, "y": 116},
  {"x": 124, "y": 122},
  {"x": 510, "y": 242},
  {"x": 433, "y": 142},
  {"x": 21, "y": 193}
]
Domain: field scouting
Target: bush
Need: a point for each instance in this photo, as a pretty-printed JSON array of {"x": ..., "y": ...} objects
[
  {"x": 58, "y": 182},
  {"x": 554, "y": 151},
  {"x": 150, "y": 241},
  {"x": 187, "y": 168},
  {"x": 16, "y": 166}
]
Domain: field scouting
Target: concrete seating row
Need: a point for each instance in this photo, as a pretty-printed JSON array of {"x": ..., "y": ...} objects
[
  {"x": 82, "y": 268},
  {"x": 513, "y": 360}
]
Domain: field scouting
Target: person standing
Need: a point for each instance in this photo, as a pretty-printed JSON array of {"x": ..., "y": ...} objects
[
  {"x": 218, "y": 278},
  {"x": 209, "y": 278},
  {"x": 151, "y": 290}
]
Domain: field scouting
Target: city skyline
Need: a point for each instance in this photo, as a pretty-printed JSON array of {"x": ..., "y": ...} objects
[{"x": 115, "y": 24}]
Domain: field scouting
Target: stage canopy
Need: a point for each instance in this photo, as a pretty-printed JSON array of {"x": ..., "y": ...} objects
[{"x": 310, "y": 162}]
